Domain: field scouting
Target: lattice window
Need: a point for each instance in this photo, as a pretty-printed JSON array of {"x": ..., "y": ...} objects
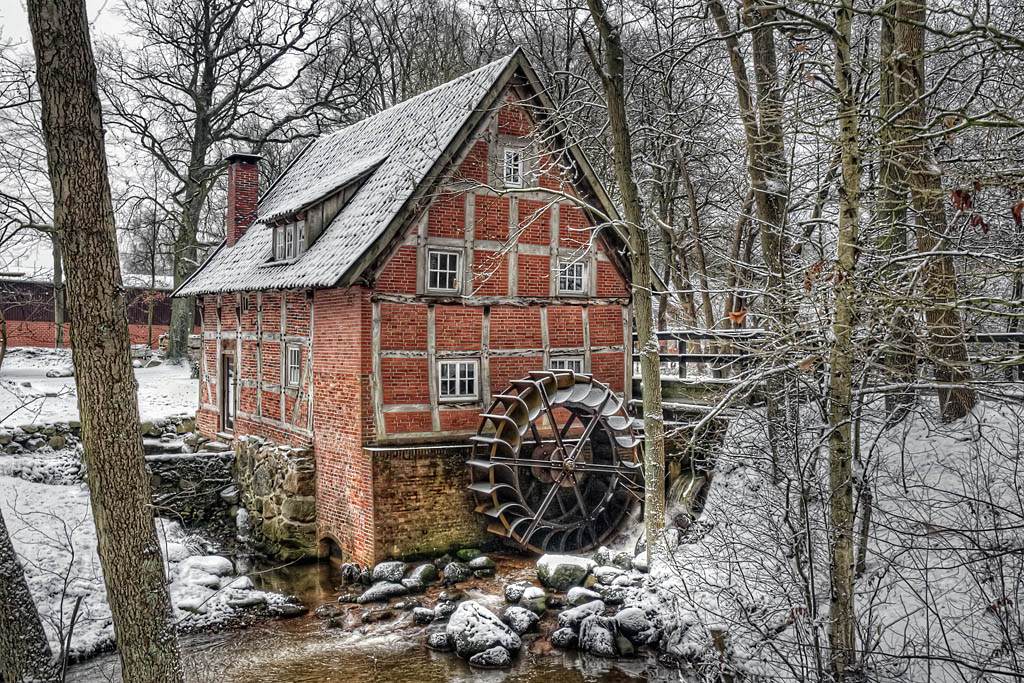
[
  {"x": 443, "y": 271},
  {"x": 574, "y": 363},
  {"x": 513, "y": 167},
  {"x": 571, "y": 277},
  {"x": 457, "y": 379}
]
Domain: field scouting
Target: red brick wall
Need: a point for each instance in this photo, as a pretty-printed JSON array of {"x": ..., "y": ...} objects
[
  {"x": 42, "y": 333},
  {"x": 341, "y": 420}
]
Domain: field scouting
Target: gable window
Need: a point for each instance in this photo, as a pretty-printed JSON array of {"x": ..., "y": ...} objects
[
  {"x": 294, "y": 365},
  {"x": 442, "y": 271},
  {"x": 513, "y": 167},
  {"x": 570, "y": 277},
  {"x": 574, "y": 363},
  {"x": 457, "y": 379},
  {"x": 279, "y": 243}
]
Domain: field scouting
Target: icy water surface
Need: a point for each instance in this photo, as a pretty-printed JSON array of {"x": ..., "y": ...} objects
[{"x": 303, "y": 650}]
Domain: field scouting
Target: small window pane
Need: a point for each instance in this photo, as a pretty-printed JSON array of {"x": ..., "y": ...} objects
[
  {"x": 300, "y": 237},
  {"x": 574, "y": 364},
  {"x": 457, "y": 379},
  {"x": 513, "y": 174},
  {"x": 294, "y": 365},
  {"x": 289, "y": 242},
  {"x": 443, "y": 271},
  {"x": 570, "y": 278},
  {"x": 279, "y": 243}
]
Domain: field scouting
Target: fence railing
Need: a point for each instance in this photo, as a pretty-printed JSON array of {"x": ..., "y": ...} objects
[{"x": 741, "y": 344}]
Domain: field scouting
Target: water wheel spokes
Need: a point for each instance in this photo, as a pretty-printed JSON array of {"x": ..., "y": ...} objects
[{"x": 556, "y": 463}]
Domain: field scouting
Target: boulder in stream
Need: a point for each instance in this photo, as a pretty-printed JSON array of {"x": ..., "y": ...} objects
[
  {"x": 562, "y": 572},
  {"x": 578, "y": 595},
  {"x": 597, "y": 636},
  {"x": 474, "y": 629},
  {"x": 520, "y": 619},
  {"x": 563, "y": 638},
  {"x": 389, "y": 571},
  {"x": 457, "y": 572},
  {"x": 496, "y": 657},
  {"x": 382, "y": 592},
  {"x": 572, "y": 618},
  {"x": 514, "y": 592},
  {"x": 439, "y": 641}
]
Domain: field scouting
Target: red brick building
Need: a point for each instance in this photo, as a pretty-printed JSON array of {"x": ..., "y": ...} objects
[{"x": 397, "y": 275}]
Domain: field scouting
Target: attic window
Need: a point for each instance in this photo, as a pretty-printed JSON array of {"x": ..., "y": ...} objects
[
  {"x": 290, "y": 240},
  {"x": 513, "y": 167}
]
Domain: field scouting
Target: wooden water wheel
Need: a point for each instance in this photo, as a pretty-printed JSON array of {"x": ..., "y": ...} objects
[{"x": 556, "y": 463}]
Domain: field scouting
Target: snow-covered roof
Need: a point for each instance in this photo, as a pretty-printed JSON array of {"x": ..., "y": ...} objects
[{"x": 401, "y": 148}]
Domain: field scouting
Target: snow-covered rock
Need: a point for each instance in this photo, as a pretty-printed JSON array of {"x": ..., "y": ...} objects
[
  {"x": 209, "y": 564},
  {"x": 390, "y": 571},
  {"x": 562, "y": 572},
  {"x": 474, "y": 629},
  {"x": 564, "y": 638},
  {"x": 514, "y": 592},
  {"x": 607, "y": 574},
  {"x": 571, "y": 618},
  {"x": 443, "y": 610},
  {"x": 424, "y": 573},
  {"x": 422, "y": 615},
  {"x": 533, "y": 593},
  {"x": 632, "y": 621},
  {"x": 493, "y": 658},
  {"x": 439, "y": 641},
  {"x": 382, "y": 592},
  {"x": 520, "y": 619},
  {"x": 457, "y": 572},
  {"x": 597, "y": 636},
  {"x": 578, "y": 595}
]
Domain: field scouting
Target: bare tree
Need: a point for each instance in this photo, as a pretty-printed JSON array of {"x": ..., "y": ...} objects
[
  {"x": 208, "y": 75},
  {"x": 611, "y": 71},
  {"x": 84, "y": 219}
]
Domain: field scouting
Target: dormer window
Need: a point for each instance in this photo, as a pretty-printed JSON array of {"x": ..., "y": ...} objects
[
  {"x": 513, "y": 167},
  {"x": 290, "y": 240}
]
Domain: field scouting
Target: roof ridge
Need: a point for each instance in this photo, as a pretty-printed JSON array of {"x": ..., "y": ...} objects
[{"x": 503, "y": 61}]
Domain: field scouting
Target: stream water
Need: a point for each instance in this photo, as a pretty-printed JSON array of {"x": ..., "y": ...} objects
[{"x": 304, "y": 649}]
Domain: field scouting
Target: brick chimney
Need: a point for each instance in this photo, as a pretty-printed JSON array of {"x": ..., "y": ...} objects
[{"x": 243, "y": 193}]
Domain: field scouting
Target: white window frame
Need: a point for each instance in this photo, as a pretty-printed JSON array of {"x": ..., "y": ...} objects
[
  {"x": 458, "y": 365},
  {"x": 457, "y": 269},
  {"x": 564, "y": 277},
  {"x": 512, "y": 175},
  {"x": 289, "y": 241},
  {"x": 565, "y": 361},
  {"x": 279, "y": 243},
  {"x": 300, "y": 237},
  {"x": 288, "y": 350}
]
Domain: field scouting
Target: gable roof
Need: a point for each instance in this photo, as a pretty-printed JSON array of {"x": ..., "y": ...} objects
[{"x": 402, "y": 151}]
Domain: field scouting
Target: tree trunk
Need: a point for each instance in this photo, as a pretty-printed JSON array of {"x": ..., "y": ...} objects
[
  {"x": 129, "y": 551},
  {"x": 58, "y": 292},
  {"x": 899, "y": 361},
  {"x": 25, "y": 654},
  {"x": 612, "y": 74},
  {"x": 946, "y": 344},
  {"x": 842, "y": 633}
]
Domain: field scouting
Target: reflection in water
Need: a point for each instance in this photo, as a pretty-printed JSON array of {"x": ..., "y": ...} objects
[{"x": 303, "y": 649}]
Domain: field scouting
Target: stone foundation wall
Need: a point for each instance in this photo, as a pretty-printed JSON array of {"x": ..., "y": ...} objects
[
  {"x": 193, "y": 487},
  {"x": 278, "y": 488},
  {"x": 421, "y": 502}
]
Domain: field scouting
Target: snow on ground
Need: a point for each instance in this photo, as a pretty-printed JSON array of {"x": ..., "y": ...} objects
[
  {"x": 53, "y": 533},
  {"x": 941, "y": 596},
  {"x": 164, "y": 390}
]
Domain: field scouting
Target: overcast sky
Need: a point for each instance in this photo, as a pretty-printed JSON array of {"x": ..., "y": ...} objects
[{"x": 14, "y": 19}]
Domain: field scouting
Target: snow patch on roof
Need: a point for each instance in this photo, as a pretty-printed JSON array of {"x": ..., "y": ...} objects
[{"x": 405, "y": 140}]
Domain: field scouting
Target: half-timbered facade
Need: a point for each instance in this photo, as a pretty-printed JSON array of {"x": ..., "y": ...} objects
[{"x": 397, "y": 275}]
